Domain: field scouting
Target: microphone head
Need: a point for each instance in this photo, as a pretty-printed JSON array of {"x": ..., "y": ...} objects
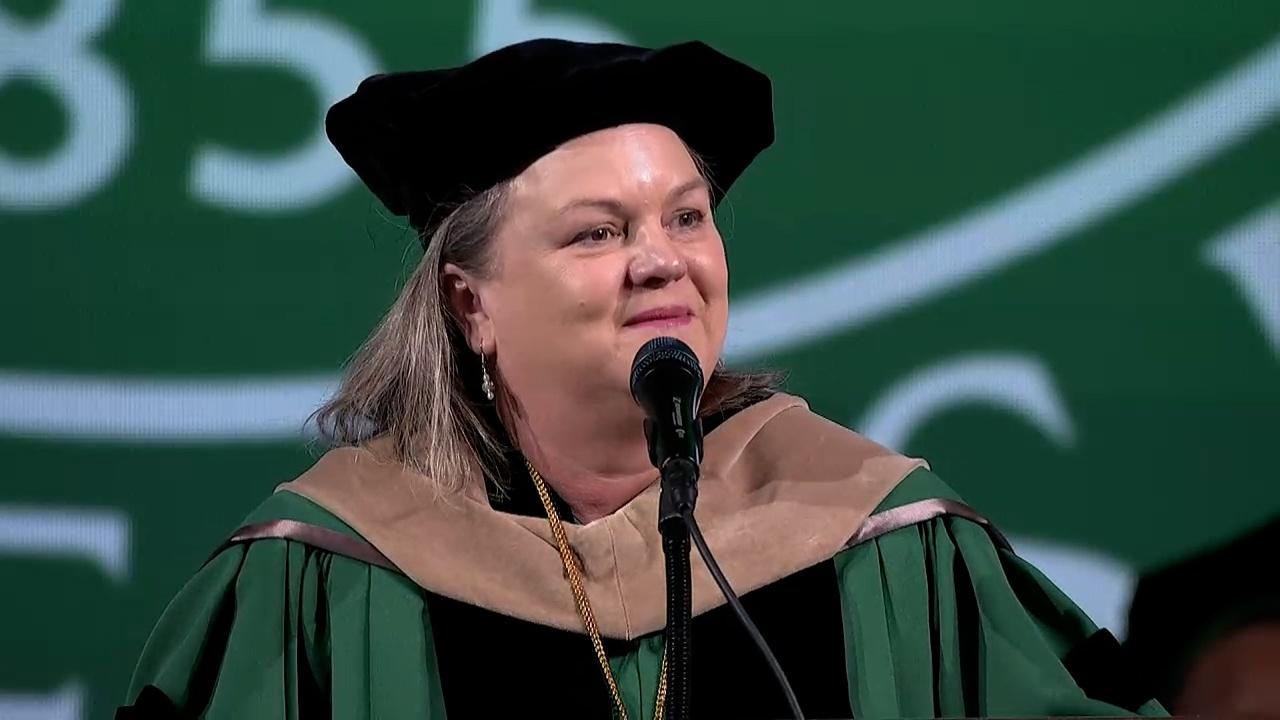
[
  {"x": 666, "y": 382},
  {"x": 665, "y": 354}
]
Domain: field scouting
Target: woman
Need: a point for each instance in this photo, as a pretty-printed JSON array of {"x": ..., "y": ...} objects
[{"x": 484, "y": 542}]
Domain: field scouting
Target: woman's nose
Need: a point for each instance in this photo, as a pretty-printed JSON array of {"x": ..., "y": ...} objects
[{"x": 655, "y": 260}]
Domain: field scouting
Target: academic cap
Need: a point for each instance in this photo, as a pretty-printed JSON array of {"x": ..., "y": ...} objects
[{"x": 425, "y": 141}]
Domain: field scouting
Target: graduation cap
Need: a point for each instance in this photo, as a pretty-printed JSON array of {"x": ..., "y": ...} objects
[{"x": 426, "y": 141}]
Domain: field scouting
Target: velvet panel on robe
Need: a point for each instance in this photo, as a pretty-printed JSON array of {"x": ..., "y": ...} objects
[{"x": 931, "y": 620}]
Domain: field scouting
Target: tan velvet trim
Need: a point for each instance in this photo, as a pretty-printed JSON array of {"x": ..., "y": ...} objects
[
  {"x": 353, "y": 547},
  {"x": 782, "y": 489},
  {"x": 918, "y": 512}
]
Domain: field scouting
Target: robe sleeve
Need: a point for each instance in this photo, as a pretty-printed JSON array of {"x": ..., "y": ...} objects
[
  {"x": 278, "y": 629},
  {"x": 940, "y": 621}
]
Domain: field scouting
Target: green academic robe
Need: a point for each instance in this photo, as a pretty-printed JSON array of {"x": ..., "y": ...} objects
[{"x": 936, "y": 619}]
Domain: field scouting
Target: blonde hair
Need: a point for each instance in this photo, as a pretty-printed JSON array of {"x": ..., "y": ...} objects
[{"x": 416, "y": 382}]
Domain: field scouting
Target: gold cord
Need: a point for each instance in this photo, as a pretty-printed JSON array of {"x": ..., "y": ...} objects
[{"x": 574, "y": 573}]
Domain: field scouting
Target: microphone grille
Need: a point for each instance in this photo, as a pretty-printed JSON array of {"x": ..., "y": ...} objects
[{"x": 664, "y": 349}]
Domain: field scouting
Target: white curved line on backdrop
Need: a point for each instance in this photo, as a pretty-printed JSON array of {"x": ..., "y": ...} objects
[
  {"x": 142, "y": 410},
  {"x": 1030, "y": 220},
  {"x": 1102, "y": 586},
  {"x": 1249, "y": 253},
  {"x": 1022, "y": 385},
  {"x": 102, "y": 536},
  {"x": 1099, "y": 584},
  {"x": 65, "y": 703},
  {"x": 853, "y": 294}
]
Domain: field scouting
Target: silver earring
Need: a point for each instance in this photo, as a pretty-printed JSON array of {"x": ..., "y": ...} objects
[{"x": 486, "y": 382}]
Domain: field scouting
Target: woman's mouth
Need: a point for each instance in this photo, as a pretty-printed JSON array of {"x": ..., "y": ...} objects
[{"x": 662, "y": 317}]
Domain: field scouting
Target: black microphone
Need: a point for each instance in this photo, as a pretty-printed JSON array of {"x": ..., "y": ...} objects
[{"x": 666, "y": 381}]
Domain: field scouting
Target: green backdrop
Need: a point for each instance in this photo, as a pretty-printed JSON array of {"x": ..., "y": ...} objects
[{"x": 1036, "y": 243}]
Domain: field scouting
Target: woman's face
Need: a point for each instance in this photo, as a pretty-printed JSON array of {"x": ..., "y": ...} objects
[{"x": 606, "y": 243}]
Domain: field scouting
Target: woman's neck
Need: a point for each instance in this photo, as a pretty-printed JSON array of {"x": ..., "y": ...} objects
[{"x": 596, "y": 460}]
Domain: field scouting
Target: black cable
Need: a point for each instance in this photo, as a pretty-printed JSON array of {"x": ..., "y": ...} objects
[{"x": 741, "y": 612}]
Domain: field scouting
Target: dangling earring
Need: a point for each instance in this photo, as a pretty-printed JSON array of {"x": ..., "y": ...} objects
[{"x": 486, "y": 382}]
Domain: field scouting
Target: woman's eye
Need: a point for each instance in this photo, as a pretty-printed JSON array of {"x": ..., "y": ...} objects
[
  {"x": 600, "y": 234},
  {"x": 689, "y": 219}
]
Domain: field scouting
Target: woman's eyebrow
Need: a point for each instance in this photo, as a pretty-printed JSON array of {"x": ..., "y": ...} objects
[
  {"x": 616, "y": 206},
  {"x": 688, "y": 186},
  {"x": 613, "y": 206}
]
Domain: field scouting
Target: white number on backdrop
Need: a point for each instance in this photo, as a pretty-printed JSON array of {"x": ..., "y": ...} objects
[
  {"x": 331, "y": 59},
  {"x": 502, "y": 22},
  {"x": 95, "y": 100},
  {"x": 1249, "y": 252}
]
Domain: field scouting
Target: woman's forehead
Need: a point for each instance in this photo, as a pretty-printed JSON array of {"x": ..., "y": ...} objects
[{"x": 628, "y": 159}]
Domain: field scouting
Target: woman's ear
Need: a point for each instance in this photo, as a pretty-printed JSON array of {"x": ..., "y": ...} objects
[{"x": 461, "y": 292}]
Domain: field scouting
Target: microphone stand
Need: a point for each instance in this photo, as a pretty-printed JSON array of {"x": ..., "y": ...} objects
[
  {"x": 666, "y": 380},
  {"x": 677, "y": 525},
  {"x": 679, "y": 494}
]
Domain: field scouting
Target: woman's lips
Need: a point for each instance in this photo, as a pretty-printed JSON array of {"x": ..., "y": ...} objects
[
  {"x": 662, "y": 322},
  {"x": 674, "y": 316}
]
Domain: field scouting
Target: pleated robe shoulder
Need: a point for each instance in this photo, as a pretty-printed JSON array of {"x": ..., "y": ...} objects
[{"x": 355, "y": 591}]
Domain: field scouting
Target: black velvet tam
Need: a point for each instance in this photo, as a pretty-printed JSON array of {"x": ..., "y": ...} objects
[{"x": 425, "y": 141}]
